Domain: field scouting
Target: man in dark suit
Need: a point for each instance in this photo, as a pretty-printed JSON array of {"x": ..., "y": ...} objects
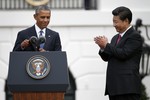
[
  {"x": 123, "y": 56},
  {"x": 24, "y": 42}
]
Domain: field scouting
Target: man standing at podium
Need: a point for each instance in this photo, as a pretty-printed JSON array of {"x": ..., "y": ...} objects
[{"x": 38, "y": 37}]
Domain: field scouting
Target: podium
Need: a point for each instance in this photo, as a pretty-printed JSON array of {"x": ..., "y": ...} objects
[{"x": 38, "y": 75}]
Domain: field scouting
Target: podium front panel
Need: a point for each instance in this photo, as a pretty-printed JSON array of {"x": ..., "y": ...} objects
[{"x": 56, "y": 80}]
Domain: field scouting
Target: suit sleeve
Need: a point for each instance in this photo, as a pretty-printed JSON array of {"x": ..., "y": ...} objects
[
  {"x": 104, "y": 55},
  {"x": 58, "y": 46},
  {"x": 131, "y": 46},
  {"x": 17, "y": 46}
]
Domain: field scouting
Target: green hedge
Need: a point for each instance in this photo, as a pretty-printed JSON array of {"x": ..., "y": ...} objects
[{"x": 144, "y": 94}]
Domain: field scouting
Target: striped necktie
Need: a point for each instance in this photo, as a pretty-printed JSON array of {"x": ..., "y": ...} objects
[{"x": 41, "y": 34}]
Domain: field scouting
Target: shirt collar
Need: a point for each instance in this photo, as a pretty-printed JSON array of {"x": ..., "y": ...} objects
[
  {"x": 38, "y": 30},
  {"x": 125, "y": 31}
]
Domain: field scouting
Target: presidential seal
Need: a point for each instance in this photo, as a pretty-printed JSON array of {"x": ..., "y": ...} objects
[
  {"x": 37, "y": 2},
  {"x": 38, "y": 67}
]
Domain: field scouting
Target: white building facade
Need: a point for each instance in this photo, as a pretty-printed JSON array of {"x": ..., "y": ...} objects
[{"x": 77, "y": 29}]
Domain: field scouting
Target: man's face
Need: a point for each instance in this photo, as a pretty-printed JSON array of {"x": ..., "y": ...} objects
[
  {"x": 42, "y": 18},
  {"x": 120, "y": 25}
]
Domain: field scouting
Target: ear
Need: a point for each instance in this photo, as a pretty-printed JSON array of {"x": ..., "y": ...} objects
[
  {"x": 35, "y": 16},
  {"x": 126, "y": 20}
]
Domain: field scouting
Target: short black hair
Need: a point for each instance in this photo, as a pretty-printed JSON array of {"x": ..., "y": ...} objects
[
  {"x": 41, "y": 7},
  {"x": 123, "y": 13}
]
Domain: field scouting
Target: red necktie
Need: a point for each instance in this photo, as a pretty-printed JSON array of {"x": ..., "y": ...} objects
[{"x": 119, "y": 37}]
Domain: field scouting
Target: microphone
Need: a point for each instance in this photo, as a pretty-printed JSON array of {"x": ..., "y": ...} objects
[
  {"x": 37, "y": 42},
  {"x": 41, "y": 40},
  {"x": 33, "y": 40}
]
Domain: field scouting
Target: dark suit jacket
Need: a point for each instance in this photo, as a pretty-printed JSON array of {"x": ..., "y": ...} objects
[
  {"x": 123, "y": 64},
  {"x": 52, "y": 43}
]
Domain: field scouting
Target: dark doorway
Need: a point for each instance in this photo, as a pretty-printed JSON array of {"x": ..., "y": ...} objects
[{"x": 70, "y": 93}]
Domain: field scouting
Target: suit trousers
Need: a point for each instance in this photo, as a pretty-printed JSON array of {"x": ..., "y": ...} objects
[{"x": 125, "y": 97}]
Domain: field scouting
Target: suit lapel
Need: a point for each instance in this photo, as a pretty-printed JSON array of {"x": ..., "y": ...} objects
[
  {"x": 114, "y": 40},
  {"x": 33, "y": 31},
  {"x": 126, "y": 35},
  {"x": 47, "y": 36}
]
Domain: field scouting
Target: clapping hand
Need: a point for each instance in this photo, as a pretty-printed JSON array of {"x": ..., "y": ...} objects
[{"x": 101, "y": 41}]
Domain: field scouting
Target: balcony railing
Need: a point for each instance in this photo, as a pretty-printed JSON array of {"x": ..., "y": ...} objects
[{"x": 53, "y": 4}]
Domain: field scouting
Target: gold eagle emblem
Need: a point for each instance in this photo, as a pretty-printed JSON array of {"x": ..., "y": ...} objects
[
  {"x": 38, "y": 66},
  {"x": 37, "y": 2}
]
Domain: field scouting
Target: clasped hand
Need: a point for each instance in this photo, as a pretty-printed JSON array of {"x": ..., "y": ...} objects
[
  {"x": 26, "y": 43},
  {"x": 101, "y": 41}
]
